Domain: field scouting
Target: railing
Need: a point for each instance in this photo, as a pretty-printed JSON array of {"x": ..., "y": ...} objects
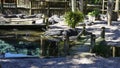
[
  {"x": 23, "y": 6},
  {"x": 62, "y": 44},
  {"x": 9, "y": 5}
]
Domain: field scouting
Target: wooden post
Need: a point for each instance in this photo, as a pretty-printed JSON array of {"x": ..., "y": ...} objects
[
  {"x": 82, "y": 32},
  {"x": 58, "y": 45},
  {"x": 85, "y": 6},
  {"x": 30, "y": 10},
  {"x": 47, "y": 23},
  {"x": 92, "y": 41},
  {"x": 103, "y": 4},
  {"x": 2, "y": 8},
  {"x": 15, "y": 30},
  {"x": 81, "y": 3},
  {"x": 66, "y": 43},
  {"x": 117, "y": 6},
  {"x": 57, "y": 49},
  {"x": 109, "y": 11},
  {"x": 0, "y": 66},
  {"x": 84, "y": 29},
  {"x": 42, "y": 46},
  {"x": 103, "y": 33},
  {"x": 16, "y": 2},
  {"x": 113, "y": 51},
  {"x": 41, "y": 43},
  {"x": 48, "y": 9}
]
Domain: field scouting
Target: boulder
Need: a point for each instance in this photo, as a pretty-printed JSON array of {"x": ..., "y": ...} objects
[
  {"x": 55, "y": 19},
  {"x": 39, "y": 15},
  {"x": 103, "y": 17},
  {"x": 40, "y": 21},
  {"x": 10, "y": 16},
  {"x": 53, "y": 32},
  {"x": 71, "y": 32},
  {"x": 20, "y": 16},
  {"x": 30, "y": 16}
]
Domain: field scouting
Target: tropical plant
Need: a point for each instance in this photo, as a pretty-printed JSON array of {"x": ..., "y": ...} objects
[{"x": 73, "y": 18}]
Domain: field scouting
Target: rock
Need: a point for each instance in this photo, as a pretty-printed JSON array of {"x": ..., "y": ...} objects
[
  {"x": 55, "y": 19},
  {"x": 87, "y": 22},
  {"x": 91, "y": 18},
  {"x": 39, "y": 15},
  {"x": 71, "y": 32},
  {"x": 20, "y": 16},
  {"x": 3, "y": 22},
  {"x": 30, "y": 16},
  {"x": 103, "y": 17},
  {"x": 10, "y": 16},
  {"x": 40, "y": 21},
  {"x": 54, "y": 39},
  {"x": 53, "y": 32},
  {"x": 73, "y": 37}
]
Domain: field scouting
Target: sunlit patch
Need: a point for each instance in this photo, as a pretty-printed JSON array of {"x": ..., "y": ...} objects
[
  {"x": 7, "y": 60},
  {"x": 34, "y": 67},
  {"x": 60, "y": 63},
  {"x": 82, "y": 61},
  {"x": 51, "y": 62}
]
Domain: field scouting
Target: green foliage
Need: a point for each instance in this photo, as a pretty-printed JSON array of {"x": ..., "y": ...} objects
[
  {"x": 95, "y": 12},
  {"x": 61, "y": 48},
  {"x": 73, "y": 18},
  {"x": 95, "y": 1},
  {"x": 4, "y": 47},
  {"x": 101, "y": 48},
  {"x": 50, "y": 46}
]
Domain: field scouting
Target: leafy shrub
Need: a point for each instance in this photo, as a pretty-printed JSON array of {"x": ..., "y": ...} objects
[
  {"x": 95, "y": 12},
  {"x": 73, "y": 18},
  {"x": 101, "y": 48}
]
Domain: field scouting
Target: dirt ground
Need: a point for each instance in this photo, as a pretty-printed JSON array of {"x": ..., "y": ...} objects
[{"x": 88, "y": 62}]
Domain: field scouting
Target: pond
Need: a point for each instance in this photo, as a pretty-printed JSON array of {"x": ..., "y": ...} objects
[{"x": 25, "y": 42}]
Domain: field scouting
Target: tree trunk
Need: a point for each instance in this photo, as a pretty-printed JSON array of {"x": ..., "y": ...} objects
[
  {"x": 117, "y": 7},
  {"x": 109, "y": 11},
  {"x": 2, "y": 9},
  {"x": 81, "y": 5},
  {"x": 16, "y": 6},
  {"x": 85, "y": 6},
  {"x": 73, "y": 2},
  {"x": 30, "y": 11}
]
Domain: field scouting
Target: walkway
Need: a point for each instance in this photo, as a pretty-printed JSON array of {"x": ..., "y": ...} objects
[{"x": 86, "y": 62}]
